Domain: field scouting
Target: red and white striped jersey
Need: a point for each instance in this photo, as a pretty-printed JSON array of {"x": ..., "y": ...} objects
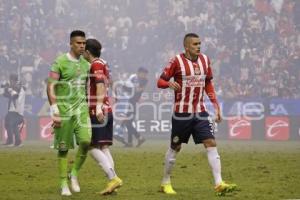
[
  {"x": 99, "y": 73},
  {"x": 192, "y": 76}
]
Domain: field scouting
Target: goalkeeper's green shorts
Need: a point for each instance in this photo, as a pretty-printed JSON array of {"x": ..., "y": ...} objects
[{"x": 76, "y": 126}]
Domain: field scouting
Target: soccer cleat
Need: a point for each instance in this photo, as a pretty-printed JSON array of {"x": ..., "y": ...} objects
[
  {"x": 65, "y": 191},
  {"x": 224, "y": 188},
  {"x": 74, "y": 183},
  {"x": 128, "y": 145},
  {"x": 120, "y": 139},
  {"x": 167, "y": 189},
  {"x": 112, "y": 186},
  {"x": 140, "y": 142},
  {"x": 10, "y": 145},
  {"x": 7, "y": 143},
  {"x": 19, "y": 145}
]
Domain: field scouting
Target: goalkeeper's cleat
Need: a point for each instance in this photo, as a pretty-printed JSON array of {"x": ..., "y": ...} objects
[
  {"x": 224, "y": 188},
  {"x": 112, "y": 185},
  {"x": 74, "y": 183},
  {"x": 167, "y": 189},
  {"x": 65, "y": 191}
]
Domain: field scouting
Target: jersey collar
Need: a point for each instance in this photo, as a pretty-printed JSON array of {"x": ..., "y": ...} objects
[{"x": 71, "y": 58}]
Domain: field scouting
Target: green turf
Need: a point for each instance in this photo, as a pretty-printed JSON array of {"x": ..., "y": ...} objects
[{"x": 262, "y": 170}]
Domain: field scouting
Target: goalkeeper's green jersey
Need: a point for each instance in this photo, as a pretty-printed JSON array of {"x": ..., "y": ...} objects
[{"x": 70, "y": 89}]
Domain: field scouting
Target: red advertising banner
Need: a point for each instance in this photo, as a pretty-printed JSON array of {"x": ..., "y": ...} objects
[
  {"x": 277, "y": 128},
  {"x": 45, "y": 128},
  {"x": 239, "y": 128}
]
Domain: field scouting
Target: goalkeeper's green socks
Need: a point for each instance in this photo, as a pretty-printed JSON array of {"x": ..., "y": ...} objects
[
  {"x": 63, "y": 167},
  {"x": 80, "y": 158}
]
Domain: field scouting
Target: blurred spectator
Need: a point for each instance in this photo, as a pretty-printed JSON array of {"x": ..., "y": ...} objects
[
  {"x": 15, "y": 92},
  {"x": 247, "y": 40}
]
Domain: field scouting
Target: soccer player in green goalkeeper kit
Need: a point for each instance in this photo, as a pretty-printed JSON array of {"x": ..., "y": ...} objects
[{"x": 66, "y": 90}]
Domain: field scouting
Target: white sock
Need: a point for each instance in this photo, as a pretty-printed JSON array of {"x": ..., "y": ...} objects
[
  {"x": 215, "y": 163},
  {"x": 106, "y": 151},
  {"x": 104, "y": 162},
  {"x": 170, "y": 159}
]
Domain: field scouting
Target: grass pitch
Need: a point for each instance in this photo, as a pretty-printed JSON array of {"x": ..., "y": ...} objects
[{"x": 262, "y": 170}]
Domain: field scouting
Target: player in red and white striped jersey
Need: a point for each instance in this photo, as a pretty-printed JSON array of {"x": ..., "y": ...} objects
[
  {"x": 192, "y": 76},
  {"x": 191, "y": 79},
  {"x": 101, "y": 114}
]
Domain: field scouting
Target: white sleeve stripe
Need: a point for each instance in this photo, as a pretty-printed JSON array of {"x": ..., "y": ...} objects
[
  {"x": 190, "y": 104},
  {"x": 183, "y": 73},
  {"x": 201, "y": 88}
]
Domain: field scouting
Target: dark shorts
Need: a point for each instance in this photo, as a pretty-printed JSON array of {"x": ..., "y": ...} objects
[
  {"x": 199, "y": 125},
  {"x": 102, "y": 133},
  {"x": 13, "y": 119}
]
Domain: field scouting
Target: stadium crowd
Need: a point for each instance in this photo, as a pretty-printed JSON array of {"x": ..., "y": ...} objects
[{"x": 254, "y": 44}]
